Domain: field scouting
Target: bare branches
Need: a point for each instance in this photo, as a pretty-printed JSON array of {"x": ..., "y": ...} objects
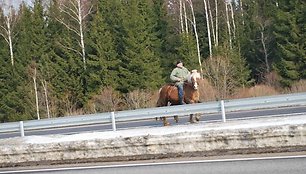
[
  {"x": 7, "y": 31},
  {"x": 76, "y": 11}
]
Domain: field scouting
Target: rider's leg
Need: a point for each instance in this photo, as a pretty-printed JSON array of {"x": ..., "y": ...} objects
[{"x": 180, "y": 88}]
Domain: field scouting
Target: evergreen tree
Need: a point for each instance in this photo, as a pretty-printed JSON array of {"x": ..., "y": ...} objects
[
  {"x": 140, "y": 67},
  {"x": 289, "y": 32},
  {"x": 188, "y": 51},
  {"x": 168, "y": 40},
  {"x": 18, "y": 101},
  {"x": 63, "y": 68},
  {"x": 103, "y": 58},
  {"x": 253, "y": 32}
]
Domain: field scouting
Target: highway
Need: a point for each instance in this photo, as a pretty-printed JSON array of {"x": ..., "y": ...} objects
[
  {"x": 287, "y": 111},
  {"x": 254, "y": 165}
]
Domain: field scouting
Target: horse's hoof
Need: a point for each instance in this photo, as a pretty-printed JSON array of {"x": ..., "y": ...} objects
[
  {"x": 193, "y": 121},
  {"x": 167, "y": 124}
]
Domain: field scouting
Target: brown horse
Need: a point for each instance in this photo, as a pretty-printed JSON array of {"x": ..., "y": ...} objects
[{"x": 168, "y": 95}]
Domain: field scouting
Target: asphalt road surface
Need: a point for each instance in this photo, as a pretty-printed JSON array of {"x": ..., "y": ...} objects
[
  {"x": 262, "y": 165},
  {"x": 153, "y": 123}
]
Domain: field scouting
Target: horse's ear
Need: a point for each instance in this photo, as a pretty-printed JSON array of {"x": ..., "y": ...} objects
[{"x": 194, "y": 71}]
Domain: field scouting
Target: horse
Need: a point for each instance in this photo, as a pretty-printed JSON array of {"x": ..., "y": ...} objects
[{"x": 168, "y": 95}]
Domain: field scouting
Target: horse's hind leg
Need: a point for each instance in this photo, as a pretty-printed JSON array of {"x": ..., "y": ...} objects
[
  {"x": 176, "y": 118},
  {"x": 197, "y": 117},
  {"x": 166, "y": 123},
  {"x": 191, "y": 119},
  {"x": 194, "y": 118}
]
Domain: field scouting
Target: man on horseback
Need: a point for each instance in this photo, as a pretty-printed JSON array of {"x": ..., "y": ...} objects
[{"x": 178, "y": 75}]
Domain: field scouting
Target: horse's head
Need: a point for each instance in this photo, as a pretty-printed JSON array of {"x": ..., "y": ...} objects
[{"x": 193, "y": 78}]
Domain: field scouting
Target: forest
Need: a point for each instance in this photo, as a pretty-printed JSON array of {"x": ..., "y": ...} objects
[{"x": 72, "y": 57}]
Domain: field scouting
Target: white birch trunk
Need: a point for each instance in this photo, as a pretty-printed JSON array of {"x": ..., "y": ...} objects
[
  {"x": 208, "y": 28},
  {"x": 241, "y": 9},
  {"x": 228, "y": 25},
  {"x": 81, "y": 32},
  {"x": 181, "y": 16},
  {"x": 233, "y": 20},
  {"x": 186, "y": 21},
  {"x": 7, "y": 33},
  {"x": 196, "y": 35},
  {"x": 211, "y": 22},
  {"x": 265, "y": 50},
  {"x": 77, "y": 12},
  {"x": 44, "y": 84},
  {"x": 217, "y": 37},
  {"x": 36, "y": 94}
]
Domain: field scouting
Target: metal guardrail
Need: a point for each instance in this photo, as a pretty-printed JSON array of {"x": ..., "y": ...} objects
[{"x": 222, "y": 106}]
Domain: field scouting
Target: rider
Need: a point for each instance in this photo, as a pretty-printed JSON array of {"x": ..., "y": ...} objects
[{"x": 179, "y": 75}]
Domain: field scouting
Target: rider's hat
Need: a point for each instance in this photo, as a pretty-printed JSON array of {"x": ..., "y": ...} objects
[{"x": 179, "y": 61}]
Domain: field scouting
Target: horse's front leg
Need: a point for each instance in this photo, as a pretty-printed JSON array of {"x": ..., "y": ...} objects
[{"x": 166, "y": 123}]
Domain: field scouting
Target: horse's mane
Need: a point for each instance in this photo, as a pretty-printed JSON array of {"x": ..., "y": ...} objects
[{"x": 194, "y": 74}]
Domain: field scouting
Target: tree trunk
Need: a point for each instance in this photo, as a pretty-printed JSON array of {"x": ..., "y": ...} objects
[
  {"x": 181, "y": 16},
  {"x": 228, "y": 25},
  {"x": 265, "y": 50},
  {"x": 241, "y": 9},
  {"x": 217, "y": 38},
  {"x": 36, "y": 95},
  {"x": 8, "y": 33},
  {"x": 233, "y": 20},
  {"x": 211, "y": 22},
  {"x": 44, "y": 83},
  {"x": 186, "y": 21},
  {"x": 196, "y": 35},
  {"x": 81, "y": 32},
  {"x": 208, "y": 29},
  {"x": 77, "y": 12}
]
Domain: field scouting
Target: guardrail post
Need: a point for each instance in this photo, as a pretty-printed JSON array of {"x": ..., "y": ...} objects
[
  {"x": 113, "y": 121},
  {"x": 21, "y": 128},
  {"x": 223, "y": 111}
]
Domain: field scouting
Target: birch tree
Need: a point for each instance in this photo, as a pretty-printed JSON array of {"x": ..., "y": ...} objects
[
  {"x": 211, "y": 22},
  {"x": 216, "y": 9},
  {"x": 185, "y": 17},
  {"x": 228, "y": 24},
  {"x": 241, "y": 9},
  {"x": 7, "y": 30},
  {"x": 208, "y": 28},
  {"x": 76, "y": 11},
  {"x": 196, "y": 34},
  {"x": 44, "y": 84},
  {"x": 181, "y": 16}
]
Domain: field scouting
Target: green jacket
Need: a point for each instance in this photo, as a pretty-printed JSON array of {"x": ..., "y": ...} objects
[{"x": 179, "y": 75}]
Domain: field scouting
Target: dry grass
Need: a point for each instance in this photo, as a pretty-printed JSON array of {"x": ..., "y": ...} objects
[
  {"x": 206, "y": 91},
  {"x": 109, "y": 99},
  {"x": 256, "y": 91},
  {"x": 140, "y": 99},
  {"x": 299, "y": 86}
]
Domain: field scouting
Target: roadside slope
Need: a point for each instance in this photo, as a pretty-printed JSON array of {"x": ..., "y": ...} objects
[{"x": 278, "y": 134}]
